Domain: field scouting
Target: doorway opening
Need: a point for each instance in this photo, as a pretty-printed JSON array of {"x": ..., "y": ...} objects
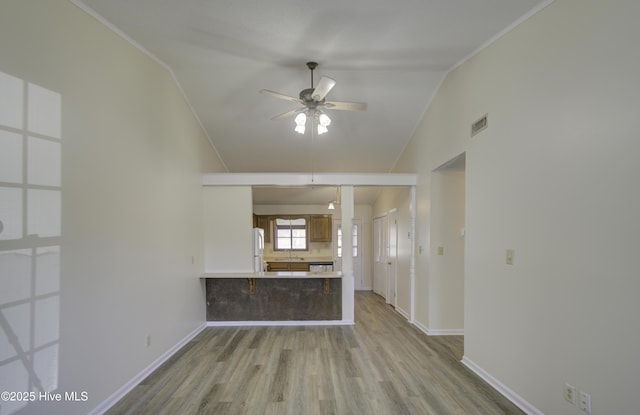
[{"x": 447, "y": 235}]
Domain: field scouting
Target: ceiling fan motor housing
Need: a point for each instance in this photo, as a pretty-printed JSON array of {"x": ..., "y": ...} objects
[{"x": 307, "y": 100}]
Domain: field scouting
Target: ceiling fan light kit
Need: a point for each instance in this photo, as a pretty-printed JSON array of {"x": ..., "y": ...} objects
[{"x": 313, "y": 101}]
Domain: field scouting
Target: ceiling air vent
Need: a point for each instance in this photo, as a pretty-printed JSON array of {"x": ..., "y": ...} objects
[{"x": 479, "y": 125}]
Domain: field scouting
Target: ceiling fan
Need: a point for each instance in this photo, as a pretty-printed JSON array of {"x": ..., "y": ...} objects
[{"x": 313, "y": 101}]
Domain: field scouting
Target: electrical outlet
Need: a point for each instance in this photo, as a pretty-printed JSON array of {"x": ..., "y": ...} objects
[
  {"x": 509, "y": 258},
  {"x": 441, "y": 250},
  {"x": 570, "y": 393},
  {"x": 585, "y": 402},
  {"x": 147, "y": 340}
]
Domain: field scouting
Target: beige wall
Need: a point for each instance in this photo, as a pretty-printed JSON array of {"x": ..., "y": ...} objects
[
  {"x": 554, "y": 178},
  {"x": 446, "y": 268},
  {"x": 132, "y": 155},
  {"x": 228, "y": 220}
]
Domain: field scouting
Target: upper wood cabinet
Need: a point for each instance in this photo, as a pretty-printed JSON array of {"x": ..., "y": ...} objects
[
  {"x": 320, "y": 228},
  {"x": 264, "y": 222}
]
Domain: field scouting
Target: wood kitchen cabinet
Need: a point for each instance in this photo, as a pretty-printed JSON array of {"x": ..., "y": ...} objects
[
  {"x": 264, "y": 222},
  {"x": 277, "y": 266},
  {"x": 320, "y": 228},
  {"x": 299, "y": 266}
]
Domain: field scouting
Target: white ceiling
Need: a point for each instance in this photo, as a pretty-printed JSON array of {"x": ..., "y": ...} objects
[{"x": 390, "y": 54}]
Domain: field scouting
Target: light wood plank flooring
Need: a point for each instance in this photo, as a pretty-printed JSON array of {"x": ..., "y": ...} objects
[{"x": 381, "y": 365}]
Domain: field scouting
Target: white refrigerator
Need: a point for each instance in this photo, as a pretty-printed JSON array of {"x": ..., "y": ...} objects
[{"x": 258, "y": 250}]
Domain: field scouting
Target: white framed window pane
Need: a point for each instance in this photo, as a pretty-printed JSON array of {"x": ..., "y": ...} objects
[
  {"x": 45, "y": 365},
  {"x": 45, "y": 111},
  {"x": 355, "y": 240},
  {"x": 43, "y": 162},
  {"x": 299, "y": 233},
  {"x": 46, "y": 320},
  {"x": 284, "y": 243},
  {"x": 10, "y": 157},
  {"x": 10, "y": 213},
  {"x": 43, "y": 212},
  {"x": 15, "y": 276},
  {"x": 11, "y": 99},
  {"x": 284, "y": 233},
  {"x": 19, "y": 319},
  {"x": 47, "y": 270},
  {"x": 13, "y": 377},
  {"x": 299, "y": 243}
]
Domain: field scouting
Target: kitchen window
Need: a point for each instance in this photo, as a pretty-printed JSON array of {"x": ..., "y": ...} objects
[{"x": 291, "y": 234}]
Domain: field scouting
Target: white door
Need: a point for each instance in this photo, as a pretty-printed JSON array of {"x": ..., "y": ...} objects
[
  {"x": 380, "y": 250},
  {"x": 392, "y": 257},
  {"x": 357, "y": 251}
]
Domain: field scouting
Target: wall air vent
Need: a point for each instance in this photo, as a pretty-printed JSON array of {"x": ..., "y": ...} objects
[{"x": 479, "y": 125}]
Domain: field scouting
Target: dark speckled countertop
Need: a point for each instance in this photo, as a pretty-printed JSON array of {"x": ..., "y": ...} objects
[{"x": 281, "y": 274}]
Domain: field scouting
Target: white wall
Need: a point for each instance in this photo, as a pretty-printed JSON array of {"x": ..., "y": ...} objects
[
  {"x": 228, "y": 220},
  {"x": 554, "y": 178},
  {"x": 446, "y": 302},
  {"x": 132, "y": 155}
]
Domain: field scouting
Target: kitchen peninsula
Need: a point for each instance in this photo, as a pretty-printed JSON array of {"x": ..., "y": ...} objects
[
  {"x": 301, "y": 287},
  {"x": 273, "y": 296}
]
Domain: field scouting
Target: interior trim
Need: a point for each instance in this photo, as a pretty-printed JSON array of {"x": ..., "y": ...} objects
[
  {"x": 280, "y": 323},
  {"x": 517, "y": 400},
  {"x": 133, "y": 382}
]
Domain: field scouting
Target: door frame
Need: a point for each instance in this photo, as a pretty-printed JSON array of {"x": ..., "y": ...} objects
[
  {"x": 392, "y": 257},
  {"x": 380, "y": 242}
]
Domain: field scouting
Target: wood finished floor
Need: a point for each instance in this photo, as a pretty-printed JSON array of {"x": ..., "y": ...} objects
[{"x": 381, "y": 365}]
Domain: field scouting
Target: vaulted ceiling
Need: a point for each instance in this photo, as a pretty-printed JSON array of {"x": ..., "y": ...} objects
[{"x": 390, "y": 54}]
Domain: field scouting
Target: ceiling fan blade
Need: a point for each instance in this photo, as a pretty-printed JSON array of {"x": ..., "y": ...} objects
[
  {"x": 288, "y": 113},
  {"x": 347, "y": 106},
  {"x": 323, "y": 88},
  {"x": 280, "y": 96}
]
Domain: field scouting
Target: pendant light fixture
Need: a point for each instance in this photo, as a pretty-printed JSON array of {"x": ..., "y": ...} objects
[{"x": 333, "y": 203}]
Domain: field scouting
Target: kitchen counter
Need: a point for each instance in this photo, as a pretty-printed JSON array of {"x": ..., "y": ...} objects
[
  {"x": 280, "y": 274},
  {"x": 273, "y": 296},
  {"x": 309, "y": 259}
]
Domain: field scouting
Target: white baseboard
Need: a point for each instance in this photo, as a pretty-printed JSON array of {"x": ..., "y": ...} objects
[
  {"x": 438, "y": 332},
  {"x": 445, "y": 332},
  {"x": 280, "y": 323},
  {"x": 421, "y": 327},
  {"x": 127, "y": 387},
  {"x": 402, "y": 313},
  {"x": 502, "y": 388}
]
